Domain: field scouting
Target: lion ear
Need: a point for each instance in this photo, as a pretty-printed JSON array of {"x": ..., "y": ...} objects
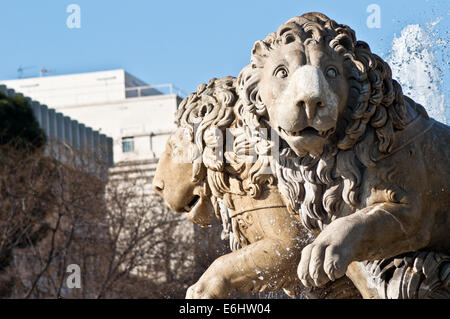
[{"x": 260, "y": 48}]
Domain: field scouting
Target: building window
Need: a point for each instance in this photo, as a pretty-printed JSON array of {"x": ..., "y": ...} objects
[{"x": 127, "y": 144}]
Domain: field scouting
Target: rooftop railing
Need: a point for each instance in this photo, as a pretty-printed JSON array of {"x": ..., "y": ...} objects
[{"x": 149, "y": 90}]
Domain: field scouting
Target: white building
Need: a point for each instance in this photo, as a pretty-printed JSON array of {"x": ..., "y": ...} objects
[{"x": 138, "y": 117}]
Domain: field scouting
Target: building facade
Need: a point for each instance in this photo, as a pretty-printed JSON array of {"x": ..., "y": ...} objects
[
  {"x": 64, "y": 130},
  {"x": 138, "y": 117}
]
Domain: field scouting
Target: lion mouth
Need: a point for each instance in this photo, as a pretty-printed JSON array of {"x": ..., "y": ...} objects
[
  {"x": 192, "y": 203},
  {"x": 307, "y": 132}
]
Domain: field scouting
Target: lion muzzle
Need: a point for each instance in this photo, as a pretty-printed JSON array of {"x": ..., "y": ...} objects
[{"x": 307, "y": 101}]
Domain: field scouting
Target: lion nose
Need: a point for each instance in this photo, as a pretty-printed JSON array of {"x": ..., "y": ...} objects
[
  {"x": 310, "y": 104},
  {"x": 158, "y": 186},
  {"x": 308, "y": 90}
]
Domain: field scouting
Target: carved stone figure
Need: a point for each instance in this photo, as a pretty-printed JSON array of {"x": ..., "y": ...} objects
[
  {"x": 198, "y": 176},
  {"x": 363, "y": 165}
]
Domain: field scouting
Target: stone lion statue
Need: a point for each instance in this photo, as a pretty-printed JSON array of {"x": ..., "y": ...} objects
[
  {"x": 363, "y": 165},
  {"x": 200, "y": 177}
]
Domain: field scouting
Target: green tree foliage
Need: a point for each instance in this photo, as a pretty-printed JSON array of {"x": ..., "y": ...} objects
[{"x": 18, "y": 126}]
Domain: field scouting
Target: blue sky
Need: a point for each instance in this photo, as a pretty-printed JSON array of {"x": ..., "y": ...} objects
[{"x": 180, "y": 42}]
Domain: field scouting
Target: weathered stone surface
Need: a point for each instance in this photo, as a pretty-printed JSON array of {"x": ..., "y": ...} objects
[
  {"x": 362, "y": 164},
  {"x": 317, "y": 130},
  {"x": 265, "y": 238}
]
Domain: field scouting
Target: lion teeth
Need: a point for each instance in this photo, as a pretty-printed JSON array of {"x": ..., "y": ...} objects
[{"x": 187, "y": 208}]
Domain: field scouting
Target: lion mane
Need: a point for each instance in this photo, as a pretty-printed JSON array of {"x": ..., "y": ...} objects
[
  {"x": 316, "y": 187},
  {"x": 208, "y": 115}
]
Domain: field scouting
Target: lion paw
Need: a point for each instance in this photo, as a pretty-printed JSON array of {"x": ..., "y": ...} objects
[
  {"x": 210, "y": 288},
  {"x": 321, "y": 262}
]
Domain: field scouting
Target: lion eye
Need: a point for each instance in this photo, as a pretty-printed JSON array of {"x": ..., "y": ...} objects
[
  {"x": 281, "y": 72},
  {"x": 331, "y": 72}
]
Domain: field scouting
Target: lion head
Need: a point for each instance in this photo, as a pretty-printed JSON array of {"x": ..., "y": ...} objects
[
  {"x": 331, "y": 100},
  {"x": 180, "y": 177}
]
